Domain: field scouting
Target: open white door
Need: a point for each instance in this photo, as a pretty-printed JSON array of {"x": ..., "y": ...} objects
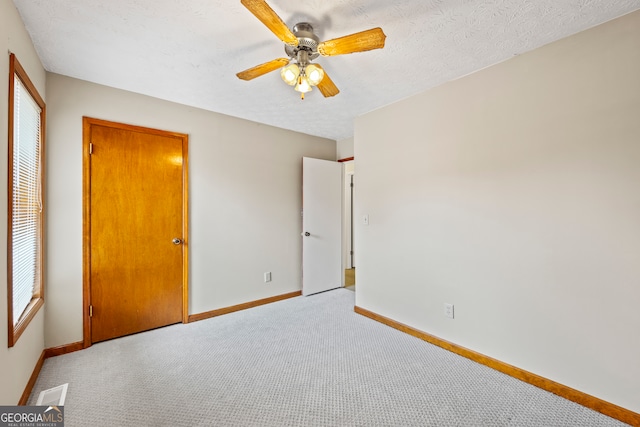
[{"x": 321, "y": 225}]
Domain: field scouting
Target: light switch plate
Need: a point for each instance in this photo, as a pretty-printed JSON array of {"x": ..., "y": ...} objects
[{"x": 448, "y": 310}]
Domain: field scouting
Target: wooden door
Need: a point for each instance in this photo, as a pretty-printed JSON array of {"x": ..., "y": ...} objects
[
  {"x": 135, "y": 229},
  {"x": 322, "y": 225}
]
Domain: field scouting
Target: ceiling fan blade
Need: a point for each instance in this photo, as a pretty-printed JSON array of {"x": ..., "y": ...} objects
[
  {"x": 268, "y": 17},
  {"x": 327, "y": 87},
  {"x": 358, "y": 42},
  {"x": 262, "y": 69}
]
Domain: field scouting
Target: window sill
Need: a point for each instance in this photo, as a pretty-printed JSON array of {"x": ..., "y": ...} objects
[{"x": 28, "y": 315}]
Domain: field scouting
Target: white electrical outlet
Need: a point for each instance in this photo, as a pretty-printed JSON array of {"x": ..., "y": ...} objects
[
  {"x": 448, "y": 310},
  {"x": 267, "y": 277}
]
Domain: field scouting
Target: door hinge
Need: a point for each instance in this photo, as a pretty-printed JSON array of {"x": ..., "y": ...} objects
[
  {"x": 352, "y": 185},
  {"x": 90, "y": 311},
  {"x": 350, "y": 252},
  {"x": 90, "y": 148}
]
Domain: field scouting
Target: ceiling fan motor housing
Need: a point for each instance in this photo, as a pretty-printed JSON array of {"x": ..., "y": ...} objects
[{"x": 307, "y": 42}]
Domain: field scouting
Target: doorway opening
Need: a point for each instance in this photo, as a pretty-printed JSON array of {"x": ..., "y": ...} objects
[{"x": 348, "y": 224}]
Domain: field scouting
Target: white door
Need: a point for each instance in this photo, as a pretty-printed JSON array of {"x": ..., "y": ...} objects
[{"x": 321, "y": 225}]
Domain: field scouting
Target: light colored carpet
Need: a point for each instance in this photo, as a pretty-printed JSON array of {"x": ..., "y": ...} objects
[{"x": 306, "y": 361}]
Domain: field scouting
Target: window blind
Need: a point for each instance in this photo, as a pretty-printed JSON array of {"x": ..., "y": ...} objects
[{"x": 27, "y": 202}]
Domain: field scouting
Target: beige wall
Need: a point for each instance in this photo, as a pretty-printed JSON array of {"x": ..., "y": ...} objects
[
  {"x": 16, "y": 363},
  {"x": 245, "y": 196},
  {"x": 344, "y": 148},
  {"x": 518, "y": 202}
]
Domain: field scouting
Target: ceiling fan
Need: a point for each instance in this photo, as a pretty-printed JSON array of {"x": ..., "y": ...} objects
[{"x": 303, "y": 46}]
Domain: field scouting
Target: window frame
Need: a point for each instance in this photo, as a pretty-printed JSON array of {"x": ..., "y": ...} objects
[{"x": 37, "y": 299}]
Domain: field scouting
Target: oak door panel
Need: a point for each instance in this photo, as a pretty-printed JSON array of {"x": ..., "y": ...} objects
[{"x": 136, "y": 205}]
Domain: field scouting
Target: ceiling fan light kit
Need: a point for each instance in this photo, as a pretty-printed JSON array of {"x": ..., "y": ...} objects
[
  {"x": 303, "y": 86},
  {"x": 314, "y": 73},
  {"x": 303, "y": 46},
  {"x": 290, "y": 74}
]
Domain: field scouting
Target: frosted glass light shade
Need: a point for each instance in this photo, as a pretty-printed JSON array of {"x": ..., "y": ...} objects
[
  {"x": 290, "y": 74},
  {"x": 303, "y": 85},
  {"x": 314, "y": 73}
]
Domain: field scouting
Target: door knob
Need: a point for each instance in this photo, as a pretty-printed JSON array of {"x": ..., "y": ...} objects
[
  {"x": 176, "y": 241},
  {"x": 307, "y": 234}
]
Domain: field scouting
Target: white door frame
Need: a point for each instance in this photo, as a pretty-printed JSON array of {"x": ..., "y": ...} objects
[{"x": 347, "y": 221}]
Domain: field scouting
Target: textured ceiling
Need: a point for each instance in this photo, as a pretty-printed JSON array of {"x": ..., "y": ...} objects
[{"x": 188, "y": 51}]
